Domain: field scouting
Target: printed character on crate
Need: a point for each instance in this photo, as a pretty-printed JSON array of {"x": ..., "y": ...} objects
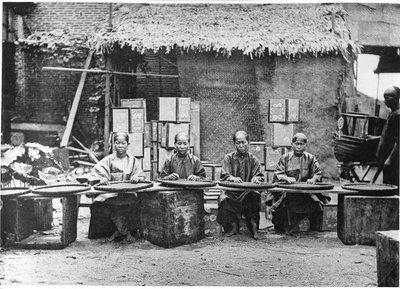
[
  {"x": 182, "y": 164},
  {"x": 388, "y": 148},
  {"x": 116, "y": 215},
  {"x": 240, "y": 166},
  {"x": 288, "y": 209}
]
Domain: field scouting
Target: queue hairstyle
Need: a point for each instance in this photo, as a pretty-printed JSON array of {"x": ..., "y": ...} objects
[
  {"x": 297, "y": 135},
  {"x": 123, "y": 134},
  {"x": 241, "y": 131},
  {"x": 182, "y": 133},
  {"x": 396, "y": 92}
]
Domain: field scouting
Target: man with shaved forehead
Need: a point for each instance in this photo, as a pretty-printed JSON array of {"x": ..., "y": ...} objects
[
  {"x": 388, "y": 148},
  {"x": 182, "y": 164},
  {"x": 288, "y": 209},
  {"x": 240, "y": 166}
]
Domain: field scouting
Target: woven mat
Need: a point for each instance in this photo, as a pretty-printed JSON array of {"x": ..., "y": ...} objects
[
  {"x": 367, "y": 187},
  {"x": 305, "y": 186},
  {"x": 60, "y": 190},
  {"x": 123, "y": 186},
  {"x": 187, "y": 183},
  {"x": 16, "y": 191},
  {"x": 247, "y": 185}
]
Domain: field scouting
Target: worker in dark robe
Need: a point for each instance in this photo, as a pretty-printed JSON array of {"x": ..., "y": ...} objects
[
  {"x": 388, "y": 148},
  {"x": 116, "y": 215},
  {"x": 240, "y": 166},
  {"x": 182, "y": 164},
  {"x": 288, "y": 209}
]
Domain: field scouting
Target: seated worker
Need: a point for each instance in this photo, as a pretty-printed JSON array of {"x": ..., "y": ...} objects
[
  {"x": 182, "y": 164},
  {"x": 111, "y": 213},
  {"x": 288, "y": 209},
  {"x": 240, "y": 166}
]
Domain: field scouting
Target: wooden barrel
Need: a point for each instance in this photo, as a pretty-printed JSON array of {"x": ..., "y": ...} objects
[{"x": 172, "y": 218}]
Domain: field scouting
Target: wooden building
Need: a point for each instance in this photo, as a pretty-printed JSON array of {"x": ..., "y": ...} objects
[{"x": 233, "y": 59}]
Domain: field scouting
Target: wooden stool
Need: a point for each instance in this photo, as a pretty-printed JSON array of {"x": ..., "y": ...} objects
[
  {"x": 387, "y": 255},
  {"x": 172, "y": 218},
  {"x": 20, "y": 220},
  {"x": 359, "y": 217}
]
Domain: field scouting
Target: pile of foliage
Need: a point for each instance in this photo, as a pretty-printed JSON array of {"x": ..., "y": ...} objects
[{"x": 30, "y": 163}]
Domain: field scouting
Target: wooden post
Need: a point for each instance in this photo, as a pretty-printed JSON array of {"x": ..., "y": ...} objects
[
  {"x": 107, "y": 106},
  {"x": 75, "y": 104},
  {"x": 20, "y": 27}
]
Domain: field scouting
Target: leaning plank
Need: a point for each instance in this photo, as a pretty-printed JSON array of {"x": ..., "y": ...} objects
[
  {"x": 88, "y": 151},
  {"x": 75, "y": 104}
]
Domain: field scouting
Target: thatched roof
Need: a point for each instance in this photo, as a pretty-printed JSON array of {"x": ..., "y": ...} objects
[{"x": 254, "y": 29}]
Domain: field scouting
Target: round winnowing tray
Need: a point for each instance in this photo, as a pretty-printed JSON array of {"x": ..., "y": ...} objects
[
  {"x": 377, "y": 189},
  {"x": 305, "y": 186},
  {"x": 12, "y": 192},
  {"x": 187, "y": 183},
  {"x": 123, "y": 186},
  {"x": 247, "y": 185},
  {"x": 60, "y": 190}
]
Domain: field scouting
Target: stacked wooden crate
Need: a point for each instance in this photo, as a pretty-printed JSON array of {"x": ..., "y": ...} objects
[
  {"x": 283, "y": 113},
  {"x": 153, "y": 142}
]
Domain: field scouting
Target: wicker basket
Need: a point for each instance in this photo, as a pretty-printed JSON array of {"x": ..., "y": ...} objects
[{"x": 355, "y": 149}]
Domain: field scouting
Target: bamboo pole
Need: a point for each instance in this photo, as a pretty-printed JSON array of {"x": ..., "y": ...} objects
[
  {"x": 109, "y": 72},
  {"x": 75, "y": 103},
  {"x": 107, "y": 106}
]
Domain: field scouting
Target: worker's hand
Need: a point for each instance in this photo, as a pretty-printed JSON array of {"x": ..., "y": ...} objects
[
  {"x": 310, "y": 181},
  {"x": 256, "y": 180},
  {"x": 104, "y": 181},
  {"x": 290, "y": 180},
  {"x": 135, "y": 179},
  {"x": 173, "y": 176},
  {"x": 235, "y": 179},
  {"x": 268, "y": 212},
  {"x": 193, "y": 178}
]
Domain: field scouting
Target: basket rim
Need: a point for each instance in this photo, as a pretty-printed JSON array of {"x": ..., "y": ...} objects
[
  {"x": 78, "y": 189},
  {"x": 358, "y": 187},
  {"x": 138, "y": 186},
  {"x": 245, "y": 185},
  {"x": 306, "y": 186},
  {"x": 17, "y": 191},
  {"x": 188, "y": 183}
]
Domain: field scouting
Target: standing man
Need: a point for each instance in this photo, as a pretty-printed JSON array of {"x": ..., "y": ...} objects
[
  {"x": 240, "y": 166},
  {"x": 388, "y": 148}
]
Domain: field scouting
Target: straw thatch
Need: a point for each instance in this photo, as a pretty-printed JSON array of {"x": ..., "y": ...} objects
[{"x": 254, "y": 29}]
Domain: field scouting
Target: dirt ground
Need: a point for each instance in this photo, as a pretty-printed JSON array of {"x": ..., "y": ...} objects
[{"x": 306, "y": 259}]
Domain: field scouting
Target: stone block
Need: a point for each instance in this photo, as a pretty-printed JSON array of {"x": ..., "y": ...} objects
[
  {"x": 387, "y": 255},
  {"x": 360, "y": 217},
  {"x": 172, "y": 218}
]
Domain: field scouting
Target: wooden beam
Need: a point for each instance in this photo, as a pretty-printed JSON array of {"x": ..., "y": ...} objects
[
  {"x": 77, "y": 150},
  {"x": 109, "y": 72},
  {"x": 75, "y": 104},
  {"x": 20, "y": 27},
  {"x": 107, "y": 106},
  {"x": 88, "y": 151}
]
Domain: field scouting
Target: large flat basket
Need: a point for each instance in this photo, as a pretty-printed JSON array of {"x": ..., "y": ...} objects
[
  {"x": 305, "y": 186},
  {"x": 372, "y": 189},
  {"x": 123, "y": 186},
  {"x": 61, "y": 190},
  {"x": 247, "y": 185},
  {"x": 13, "y": 192},
  {"x": 187, "y": 183}
]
